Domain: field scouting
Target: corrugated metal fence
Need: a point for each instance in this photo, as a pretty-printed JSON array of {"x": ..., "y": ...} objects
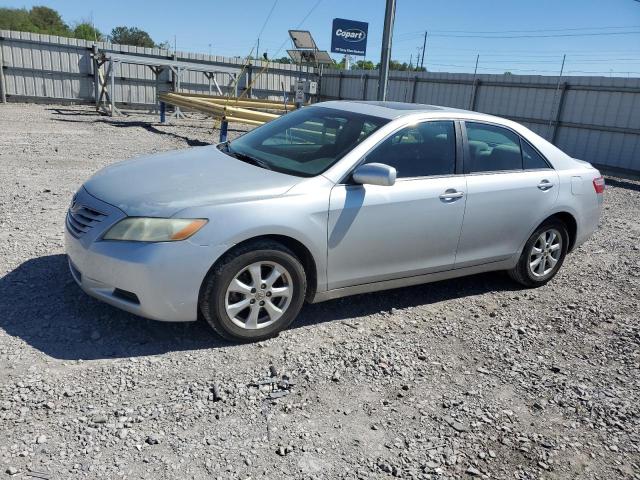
[
  {"x": 592, "y": 118},
  {"x": 58, "y": 68}
]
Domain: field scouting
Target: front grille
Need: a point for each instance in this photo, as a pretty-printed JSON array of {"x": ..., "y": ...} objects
[{"x": 81, "y": 219}]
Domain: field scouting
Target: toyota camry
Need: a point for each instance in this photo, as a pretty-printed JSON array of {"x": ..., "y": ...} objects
[{"x": 334, "y": 199}]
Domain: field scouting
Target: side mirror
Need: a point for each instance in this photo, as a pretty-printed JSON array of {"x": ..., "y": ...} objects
[{"x": 375, "y": 174}]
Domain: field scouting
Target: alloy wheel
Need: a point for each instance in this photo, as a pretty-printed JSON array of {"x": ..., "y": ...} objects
[
  {"x": 258, "y": 295},
  {"x": 545, "y": 253}
]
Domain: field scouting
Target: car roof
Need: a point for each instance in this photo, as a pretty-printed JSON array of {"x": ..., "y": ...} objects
[
  {"x": 393, "y": 110},
  {"x": 388, "y": 109}
]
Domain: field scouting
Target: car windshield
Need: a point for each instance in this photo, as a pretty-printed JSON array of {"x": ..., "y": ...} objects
[{"x": 305, "y": 142}]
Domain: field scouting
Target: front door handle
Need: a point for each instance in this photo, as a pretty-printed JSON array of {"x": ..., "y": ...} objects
[
  {"x": 451, "y": 194},
  {"x": 545, "y": 185}
]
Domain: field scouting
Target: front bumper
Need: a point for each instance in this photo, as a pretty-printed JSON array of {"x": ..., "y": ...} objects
[{"x": 160, "y": 281}]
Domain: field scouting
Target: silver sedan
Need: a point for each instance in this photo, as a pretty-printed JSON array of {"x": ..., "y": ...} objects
[{"x": 335, "y": 199}]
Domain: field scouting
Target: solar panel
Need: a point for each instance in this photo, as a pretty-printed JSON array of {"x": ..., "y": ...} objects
[
  {"x": 303, "y": 39},
  {"x": 310, "y": 56}
]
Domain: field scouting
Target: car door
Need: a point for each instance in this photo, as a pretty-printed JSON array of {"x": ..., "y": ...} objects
[
  {"x": 378, "y": 233},
  {"x": 510, "y": 189}
]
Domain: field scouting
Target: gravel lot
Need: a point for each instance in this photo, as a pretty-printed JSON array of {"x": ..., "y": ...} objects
[{"x": 465, "y": 378}]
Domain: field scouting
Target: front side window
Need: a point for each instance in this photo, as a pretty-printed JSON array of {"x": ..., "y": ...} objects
[
  {"x": 492, "y": 148},
  {"x": 421, "y": 150},
  {"x": 305, "y": 142}
]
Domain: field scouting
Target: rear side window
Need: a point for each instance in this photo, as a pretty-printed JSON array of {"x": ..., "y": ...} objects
[
  {"x": 532, "y": 159},
  {"x": 492, "y": 148},
  {"x": 421, "y": 150}
]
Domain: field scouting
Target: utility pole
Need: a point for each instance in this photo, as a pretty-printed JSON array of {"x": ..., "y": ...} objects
[
  {"x": 385, "y": 56},
  {"x": 424, "y": 47},
  {"x": 555, "y": 94}
]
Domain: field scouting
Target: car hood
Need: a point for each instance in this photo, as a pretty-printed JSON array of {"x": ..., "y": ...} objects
[{"x": 162, "y": 184}]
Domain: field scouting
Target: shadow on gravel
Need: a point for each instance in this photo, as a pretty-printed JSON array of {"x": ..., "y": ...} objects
[
  {"x": 428, "y": 293},
  {"x": 73, "y": 112},
  {"x": 614, "y": 182},
  {"x": 42, "y": 305},
  {"x": 148, "y": 126}
]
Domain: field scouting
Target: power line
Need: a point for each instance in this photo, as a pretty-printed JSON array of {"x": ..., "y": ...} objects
[
  {"x": 266, "y": 20},
  {"x": 558, "y": 35},
  {"x": 540, "y": 30}
]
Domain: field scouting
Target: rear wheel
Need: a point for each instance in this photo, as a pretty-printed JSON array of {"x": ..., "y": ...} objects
[
  {"x": 255, "y": 292},
  {"x": 542, "y": 255}
]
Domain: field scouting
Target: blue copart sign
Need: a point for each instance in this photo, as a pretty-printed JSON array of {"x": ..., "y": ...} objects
[{"x": 349, "y": 36}]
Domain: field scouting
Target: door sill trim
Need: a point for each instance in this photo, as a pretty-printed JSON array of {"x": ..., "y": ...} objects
[{"x": 410, "y": 281}]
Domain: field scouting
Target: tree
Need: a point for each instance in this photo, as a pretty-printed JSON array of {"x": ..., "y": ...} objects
[
  {"x": 37, "y": 20},
  {"x": 131, "y": 36},
  {"x": 363, "y": 65},
  {"x": 48, "y": 21},
  {"x": 86, "y": 31},
  {"x": 16, "y": 19},
  {"x": 282, "y": 60}
]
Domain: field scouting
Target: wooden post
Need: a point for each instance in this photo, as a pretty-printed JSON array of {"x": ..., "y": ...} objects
[
  {"x": 340, "y": 86},
  {"x": 556, "y": 123},
  {"x": 3, "y": 85}
]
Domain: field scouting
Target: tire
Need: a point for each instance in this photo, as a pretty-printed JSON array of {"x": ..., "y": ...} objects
[
  {"x": 537, "y": 247},
  {"x": 268, "y": 291}
]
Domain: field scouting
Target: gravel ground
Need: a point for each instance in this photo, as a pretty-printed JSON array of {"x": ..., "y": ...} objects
[{"x": 466, "y": 378}]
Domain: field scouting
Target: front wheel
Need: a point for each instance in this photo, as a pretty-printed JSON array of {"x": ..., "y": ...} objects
[
  {"x": 542, "y": 255},
  {"x": 254, "y": 293}
]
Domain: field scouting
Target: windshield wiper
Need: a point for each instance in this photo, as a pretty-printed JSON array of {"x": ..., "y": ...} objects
[{"x": 249, "y": 159}]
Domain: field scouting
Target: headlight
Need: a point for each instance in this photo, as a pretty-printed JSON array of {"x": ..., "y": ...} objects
[{"x": 139, "y": 229}]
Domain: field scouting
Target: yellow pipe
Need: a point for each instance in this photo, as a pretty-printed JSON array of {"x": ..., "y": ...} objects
[
  {"x": 231, "y": 99},
  {"x": 264, "y": 106},
  {"x": 218, "y": 110},
  {"x": 244, "y": 120},
  {"x": 228, "y": 110}
]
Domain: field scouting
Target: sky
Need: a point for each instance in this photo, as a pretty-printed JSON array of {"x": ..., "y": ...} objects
[{"x": 599, "y": 37}]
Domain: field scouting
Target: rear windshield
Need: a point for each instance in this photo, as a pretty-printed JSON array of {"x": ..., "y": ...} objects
[{"x": 305, "y": 142}]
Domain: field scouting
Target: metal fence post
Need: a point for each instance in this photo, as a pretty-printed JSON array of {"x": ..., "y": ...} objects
[
  {"x": 414, "y": 88},
  {"x": 249, "y": 80},
  {"x": 163, "y": 112},
  {"x": 340, "y": 86},
  {"x": 364, "y": 87},
  {"x": 224, "y": 130},
  {"x": 3, "y": 85},
  {"x": 556, "y": 124},
  {"x": 112, "y": 97},
  {"x": 474, "y": 94},
  {"x": 96, "y": 74}
]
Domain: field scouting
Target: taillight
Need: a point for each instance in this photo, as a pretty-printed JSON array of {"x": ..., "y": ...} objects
[{"x": 598, "y": 184}]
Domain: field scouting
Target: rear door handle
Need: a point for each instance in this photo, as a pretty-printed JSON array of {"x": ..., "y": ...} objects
[
  {"x": 451, "y": 194},
  {"x": 545, "y": 185}
]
